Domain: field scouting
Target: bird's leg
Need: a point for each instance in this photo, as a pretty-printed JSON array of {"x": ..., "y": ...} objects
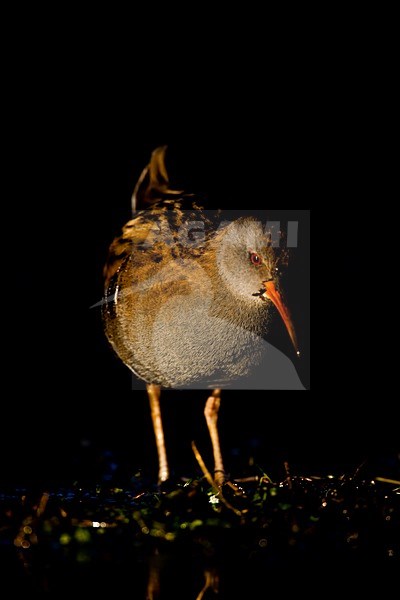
[
  {"x": 154, "y": 393},
  {"x": 211, "y": 414}
]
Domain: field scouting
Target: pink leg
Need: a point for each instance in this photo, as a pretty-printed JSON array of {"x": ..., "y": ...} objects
[
  {"x": 211, "y": 414},
  {"x": 154, "y": 393}
]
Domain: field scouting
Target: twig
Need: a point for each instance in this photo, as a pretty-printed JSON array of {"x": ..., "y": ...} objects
[
  {"x": 385, "y": 480},
  {"x": 211, "y": 481},
  {"x": 288, "y": 476},
  {"x": 253, "y": 479},
  {"x": 236, "y": 489},
  {"x": 203, "y": 467},
  {"x": 357, "y": 471}
]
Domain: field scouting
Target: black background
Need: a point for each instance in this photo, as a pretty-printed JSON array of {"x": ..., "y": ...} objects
[{"x": 76, "y": 150}]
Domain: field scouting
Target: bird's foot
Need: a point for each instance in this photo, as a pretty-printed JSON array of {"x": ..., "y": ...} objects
[{"x": 220, "y": 478}]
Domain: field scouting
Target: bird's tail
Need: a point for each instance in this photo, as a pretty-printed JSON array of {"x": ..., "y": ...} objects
[{"x": 153, "y": 183}]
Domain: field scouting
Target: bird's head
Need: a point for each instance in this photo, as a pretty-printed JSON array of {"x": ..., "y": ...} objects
[{"x": 247, "y": 263}]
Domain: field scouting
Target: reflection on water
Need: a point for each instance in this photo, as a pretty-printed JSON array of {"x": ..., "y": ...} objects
[
  {"x": 187, "y": 543},
  {"x": 160, "y": 574}
]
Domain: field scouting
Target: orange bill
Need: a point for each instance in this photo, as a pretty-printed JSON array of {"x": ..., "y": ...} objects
[{"x": 272, "y": 294}]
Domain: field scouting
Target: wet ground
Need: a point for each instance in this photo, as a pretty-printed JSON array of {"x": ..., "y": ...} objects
[{"x": 189, "y": 540}]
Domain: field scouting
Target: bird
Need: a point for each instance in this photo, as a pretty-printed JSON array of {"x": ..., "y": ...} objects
[{"x": 188, "y": 297}]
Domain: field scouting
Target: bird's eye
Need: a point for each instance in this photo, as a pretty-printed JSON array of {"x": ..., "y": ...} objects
[{"x": 255, "y": 259}]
